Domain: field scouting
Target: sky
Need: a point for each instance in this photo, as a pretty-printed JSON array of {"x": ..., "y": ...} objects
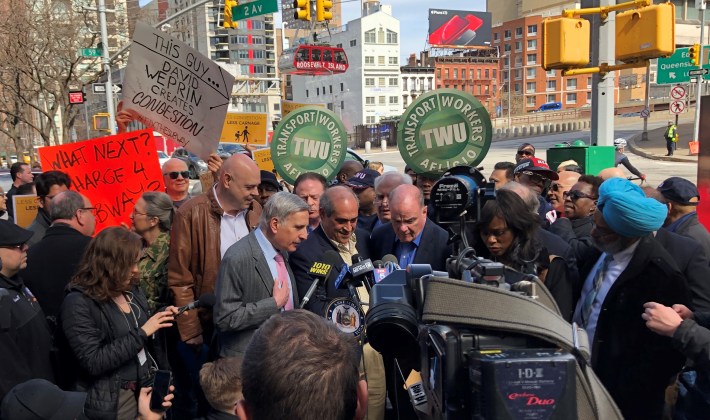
[{"x": 412, "y": 15}]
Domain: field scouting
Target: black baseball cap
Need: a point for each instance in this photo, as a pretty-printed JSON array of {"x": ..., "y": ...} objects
[
  {"x": 41, "y": 399},
  {"x": 269, "y": 178},
  {"x": 12, "y": 235},
  {"x": 363, "y": 179},
  {"x": 679, "y": 190}
]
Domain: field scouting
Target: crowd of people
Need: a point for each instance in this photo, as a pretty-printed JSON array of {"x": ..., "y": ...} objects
[{"x": 88, "y": 318}]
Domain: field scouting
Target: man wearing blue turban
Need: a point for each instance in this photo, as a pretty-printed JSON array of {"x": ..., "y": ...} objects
[{"x": 634, "y": 364}]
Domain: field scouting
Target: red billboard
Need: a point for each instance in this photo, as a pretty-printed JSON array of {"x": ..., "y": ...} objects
[{"x": 459, "y": 28}]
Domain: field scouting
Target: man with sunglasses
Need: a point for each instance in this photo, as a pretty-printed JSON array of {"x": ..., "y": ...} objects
[
  {"x": 558, "y": 188},
  {"x": 536, "y": 174},
  {"x": 525, "y": 151},
  {"x": 25, "y": 341},
  {"x": 177, "y": 181}
]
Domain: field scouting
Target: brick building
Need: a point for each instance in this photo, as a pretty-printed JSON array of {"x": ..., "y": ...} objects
[{"x": 475, "y": 72}]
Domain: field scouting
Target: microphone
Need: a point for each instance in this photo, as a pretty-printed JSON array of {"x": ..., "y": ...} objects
[
  {"x": 391, "y": 263},
  {"x": 380, "y": 271},
  {"x": 207, "y": 300},
  {"x": 320, "y": 271},
  {"x": 340, "y": 280},
  {"x": 361, "y": 270}
]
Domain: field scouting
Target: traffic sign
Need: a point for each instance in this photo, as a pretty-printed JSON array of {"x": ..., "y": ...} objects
[
  {"x": 254, "y": 8},
  {"x": 90, "y": 52},
  {"x": 100, "y": 88},
  {"x": 677, "y": 107},
  {"x": 698, "y": 72},
  {"x": 645, "y": 113},
  {"x": 676, "y": 68},
  {"x": 76, "y": 97},
  {"x": 678, "y": 92}
]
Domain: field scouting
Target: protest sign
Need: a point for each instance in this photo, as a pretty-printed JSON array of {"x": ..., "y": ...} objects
[
  {"x": 290, "y": 106},
  {"x": 25, "y": 209},
  {"x": 177, "y": 91},
  {"x": 244, "y": 128},
  {"x": 442, "y": 129},
  {"x": 262, "y": 157},
  {"x": 113, "y": 172}
]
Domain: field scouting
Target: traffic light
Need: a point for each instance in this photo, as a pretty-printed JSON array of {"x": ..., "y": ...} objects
[
  {"x": 565, "y": 43},
  {"x": 101, "y": 122},
  {"x": 323, "y": 10},
  {"x": 645, "y": 33},
  {"x": 303, "y": 10},
  {"x": 228, "y": 22},
  {"x": 694, "y": 54}
]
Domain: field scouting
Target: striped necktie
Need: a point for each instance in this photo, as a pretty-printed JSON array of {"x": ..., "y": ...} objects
[{"x": 588, "y": 304}]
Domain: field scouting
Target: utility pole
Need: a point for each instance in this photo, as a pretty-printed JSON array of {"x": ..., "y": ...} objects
[
  {"x": 647, "y": 104},
  {"x": 696, "y": 126},
  {"x": 106, "y": 62},
  {"x": 603, "y": 88}
]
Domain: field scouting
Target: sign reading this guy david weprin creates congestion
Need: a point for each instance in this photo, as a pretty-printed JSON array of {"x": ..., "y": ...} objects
[
  {"x": 309, "y": 139},
  {"x": 442, "y": 129}
]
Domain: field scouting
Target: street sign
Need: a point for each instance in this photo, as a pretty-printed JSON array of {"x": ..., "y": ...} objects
[
  {"x": 90, "y": 52},
  {"x": 678, "y": 92},
  {"x": 645, "y": 113},
  {"x": 698, "y": 72},
  {"x": 676, "y": 68},
  {"x": 677, "y": 107},
  {"x": 100, "y": 88},
  {"x": 255, "y": 8},
  {"x": 76, "y": 97}
]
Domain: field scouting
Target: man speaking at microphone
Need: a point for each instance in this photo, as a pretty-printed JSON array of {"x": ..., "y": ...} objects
[
  {"x": 254, "y": 281},
  {"x": 338, "y": 232}
]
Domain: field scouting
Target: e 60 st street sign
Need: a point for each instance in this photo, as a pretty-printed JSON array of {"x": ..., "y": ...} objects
[{"x": 675, "y": 69}]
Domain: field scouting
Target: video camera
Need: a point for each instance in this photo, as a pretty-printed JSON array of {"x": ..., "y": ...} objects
[{"x": 469, "y": 373}]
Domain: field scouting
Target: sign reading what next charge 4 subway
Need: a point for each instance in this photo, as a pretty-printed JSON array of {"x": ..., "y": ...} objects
[
  {"x": 309, "y": 139},
  {"x": 442, "y": 129}
]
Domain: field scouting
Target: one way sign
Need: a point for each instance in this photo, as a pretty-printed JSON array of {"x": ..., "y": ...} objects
[{"x": 100, "y": 88}]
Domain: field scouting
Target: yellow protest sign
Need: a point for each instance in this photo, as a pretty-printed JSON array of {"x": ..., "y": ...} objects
[
  {"x": 244, "y": 128},
  {"x": 262, "y": 157},
  {"x": 290, "y": 106},
  {"x": 25, "y": 209}
]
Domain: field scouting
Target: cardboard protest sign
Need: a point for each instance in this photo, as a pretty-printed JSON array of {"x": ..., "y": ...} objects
[
  {"x": 290, "y": 106},
  {"x": 245, "y": 128},
  {"x": 113, "y": 172},
  {"x": 25, "y": 209},
  {"x": 177, "y": 91},
  {"x": 262, "y": 157}
]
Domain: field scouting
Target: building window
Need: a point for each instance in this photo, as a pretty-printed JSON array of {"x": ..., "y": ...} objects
[
  {"x": 381, "y": 60},
  {"x": 317, "y": 91},
  {"x": 393, "y": 81},
  {"x": 382, "y": 100},
  {"x": 551, "y": 98},
  {"x": 530, "y": 87},
  {"x": 394, "y": 100},
  {"x": 257, "y": 40},
  {"x": 589, "y": 81},
  {"x": 516, "y": 87},
  {"x": 506, "y": 35},
  {"x": 505, "y": 75},
  {"x": 244, "y": 69},
  {"x": 341, "y": 87},
  {"x": 478, "y": 74},
  {"x": 518, "y": 61},
  {"x": 369, "y": 81},
  {"x": 393, "y": 61},
  {"x": 391, "y": 37},
  {"x": 243, "y": 54},
  {"x": 532, "y": 59},
  {"x": 486, "y": 89},
  {"x": 438, "y": 73},
  {"x": 530, "y": 72},
  {"x": 380, "y": 36},
  {"x": 495, "y": 37},
  {"x": 519, "y": 32},
  {"x": 589, "y": 96},
  {"x": 506, "y": 61},
  {"x": 518, "y": 46},
  {"x": 306, "y": 93},
  {"x": 380, "y": 81},
  {"x": 259, "y": 54},
  {"x": 532, "y": 44},
  {"x": 370, "y": 119},
  {"x": 517, "y": 74},
  {"x": 370, "y": 36},
  {"x": 240, "y": 39},
  {"x": 487, "y": 74},
  {"x": 257, "y": 24},
  {"x": 495, "y": 73},
  {"x": 456, "y": 73},
  {"x": 446, "y": 73},
  {"x": 550, "y": 73},
  {"x": 551, "y": 85},
  {"x": 506, "y": 48},
  {"x": 353, "y": 42},
  {"x": 530, "y": 101},
  {"x": 571, "y": 98},
  {"x": 532, "y": 30},
  {"x": 369, "y": 60},
  {"x": 369, "y": 100},
  {"x": 330, "y": 89},
  {"x": 571, "y": 84}
]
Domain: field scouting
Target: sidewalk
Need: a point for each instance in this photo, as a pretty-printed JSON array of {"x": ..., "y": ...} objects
[{"x": 655, "y": 146}]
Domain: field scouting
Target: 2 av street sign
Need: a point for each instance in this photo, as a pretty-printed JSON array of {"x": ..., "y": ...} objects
[
  {"x": 100, "y": 88},
  {"x": 677, "y": 68},
  {"x": 254, "y": 8}
]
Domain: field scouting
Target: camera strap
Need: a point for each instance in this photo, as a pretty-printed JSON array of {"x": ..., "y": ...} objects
[{"x": 457, "y": 302}]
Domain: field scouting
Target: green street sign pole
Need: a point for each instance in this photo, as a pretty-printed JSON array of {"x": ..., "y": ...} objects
[
  {"x": 254, "y": 8},
  {"x": 674, "y": 69}
]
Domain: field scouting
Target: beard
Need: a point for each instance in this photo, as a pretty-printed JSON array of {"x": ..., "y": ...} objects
[{"x": 610, "y": 248}]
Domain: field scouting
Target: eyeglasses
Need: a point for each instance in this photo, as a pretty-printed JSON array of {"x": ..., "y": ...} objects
[
  {"x": 21, "y": 247},
  {"x": 576, "y": 195},
  {"x": 525, "y": 153},
  {"x": 137, "y": 212},
  {"x": 176, "y": 174}
]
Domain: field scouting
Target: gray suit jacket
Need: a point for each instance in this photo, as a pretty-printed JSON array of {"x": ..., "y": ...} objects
[{"x": 244, "y": 295}]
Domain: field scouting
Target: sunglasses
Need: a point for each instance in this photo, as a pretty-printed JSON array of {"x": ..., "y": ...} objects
[
  {"x": 525, "y": 153},
  {"x": 576, "y": 195},
  {"x": 176, "y": 174}
]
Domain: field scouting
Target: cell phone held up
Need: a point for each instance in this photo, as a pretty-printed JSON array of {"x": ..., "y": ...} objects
[{"x": 161, "y": 388}]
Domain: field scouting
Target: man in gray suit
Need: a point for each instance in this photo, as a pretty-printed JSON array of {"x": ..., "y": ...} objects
[{"x": 254, "y": 280}]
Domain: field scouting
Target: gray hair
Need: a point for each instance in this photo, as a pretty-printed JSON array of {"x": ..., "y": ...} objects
[
  {"x": 65, "y": 205},
  {"x": 402, "y": 179},
  {"x": 327, "y": 204},
  {"x": 159, "y": 205},
  {"x": 280, "y": 206},
  {"x": 528, "y": 195}
]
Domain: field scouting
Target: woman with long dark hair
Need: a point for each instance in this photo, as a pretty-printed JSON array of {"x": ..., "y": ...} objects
[
  {"x": 507, "y": 229},
  {"x": 107, "y": 325}
]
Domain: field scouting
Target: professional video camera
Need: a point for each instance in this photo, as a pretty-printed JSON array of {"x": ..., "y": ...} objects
[{"x": 472, "y": 369}]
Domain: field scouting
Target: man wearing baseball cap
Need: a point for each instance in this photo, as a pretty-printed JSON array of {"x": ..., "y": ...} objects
[
  {"x": 682, "y": 199},
  {"x": 268, "y": 187},
  {"x": 363, "y": 184},
  {"x": 536, "y": 174},
  {"x": 25, "y": 341}
]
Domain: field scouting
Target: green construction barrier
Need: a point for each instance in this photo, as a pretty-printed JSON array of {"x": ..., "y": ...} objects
[{"x": 592, "y": 159}]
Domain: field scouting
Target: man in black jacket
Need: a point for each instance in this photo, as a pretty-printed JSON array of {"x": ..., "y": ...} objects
[
  {"x": 682, "y": 198},
  {"x": 47, "y": 185},
  {"x": 25, "y": 341}
]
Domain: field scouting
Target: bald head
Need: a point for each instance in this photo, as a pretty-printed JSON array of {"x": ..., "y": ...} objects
[
  {"x": 174, "y": 164},
  {"x": 349, "y": 169},
  {"x": 176, "y": 183},
  {"x": 527, "y": 194},
  {"x": 408, "y": 212},
  {"x": 239, "y": 179},
  {"x": 555, "y": 195},
  {"x": 611, "y": 173}
]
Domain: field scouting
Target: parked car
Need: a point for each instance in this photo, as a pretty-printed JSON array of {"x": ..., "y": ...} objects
[
  {"x": 195, "y": 165},
  {"x": 162, "y": 158},
  {"x": 352, "y": 155},
  {"x": 225, "y": 150}
]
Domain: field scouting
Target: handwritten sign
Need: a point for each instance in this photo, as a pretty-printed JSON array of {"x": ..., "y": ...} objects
[
  {"x": 113, "y": 172},
  {"x": 244, "y": 128},
  {"x": 176, "y": 90},
  {"x": 290, "y": 106},
  {"x": 25, "y": 209},
  {"x": 262, "y": 157}
]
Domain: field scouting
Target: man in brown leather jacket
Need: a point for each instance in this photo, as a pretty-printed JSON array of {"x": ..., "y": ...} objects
[{"x": 203, "y": 229}]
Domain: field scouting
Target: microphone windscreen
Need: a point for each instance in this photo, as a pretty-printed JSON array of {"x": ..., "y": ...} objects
[
  {"x": 390, "y": 258},
  {"x": 207, "y": 300}
]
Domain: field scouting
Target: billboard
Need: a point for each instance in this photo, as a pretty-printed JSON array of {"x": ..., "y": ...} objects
[{"x": 459, "y": 28}]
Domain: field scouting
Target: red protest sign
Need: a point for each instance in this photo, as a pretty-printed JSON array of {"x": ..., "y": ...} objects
[{"x": 113, "y": 172}]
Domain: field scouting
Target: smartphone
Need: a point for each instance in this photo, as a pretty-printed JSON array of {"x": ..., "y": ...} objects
[{"x": 161, "y": 388}]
